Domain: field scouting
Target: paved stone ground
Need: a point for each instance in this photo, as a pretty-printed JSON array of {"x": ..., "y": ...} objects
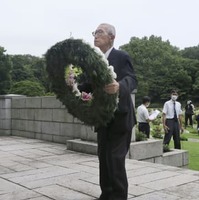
[{"x": 39, "y": 170}]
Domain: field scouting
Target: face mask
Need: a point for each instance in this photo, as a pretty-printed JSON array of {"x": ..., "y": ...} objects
[
  {"x": 174, "y": 97},
  {"x": 147, "y": 105}
]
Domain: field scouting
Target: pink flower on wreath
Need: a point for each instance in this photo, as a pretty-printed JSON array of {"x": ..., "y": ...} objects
[{"x": 86, "y": 96}]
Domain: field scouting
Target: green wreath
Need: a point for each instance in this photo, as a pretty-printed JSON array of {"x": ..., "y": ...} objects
[{"x": 86, "y": 63}]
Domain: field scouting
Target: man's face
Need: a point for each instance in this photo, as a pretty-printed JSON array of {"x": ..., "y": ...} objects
[
  {"x": 174, "y": 96},
  {"x": 102, "y": 38}
]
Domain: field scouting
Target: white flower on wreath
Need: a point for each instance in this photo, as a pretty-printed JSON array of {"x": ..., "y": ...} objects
[
  {"x": 76, "y": 90},
  {"x": 112, "y": 73},
  {"x": 70, "y": 79}
]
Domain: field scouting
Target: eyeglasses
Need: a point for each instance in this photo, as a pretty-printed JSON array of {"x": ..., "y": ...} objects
[{"x": 98, "y": 33}]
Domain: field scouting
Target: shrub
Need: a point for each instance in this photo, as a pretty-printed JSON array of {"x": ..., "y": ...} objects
[
  {"x": 166, "y": 148},
  {"x": 28, "y": 88},
  {"x": 156, "y": 133},
  {"x": 140, "y": 136}
]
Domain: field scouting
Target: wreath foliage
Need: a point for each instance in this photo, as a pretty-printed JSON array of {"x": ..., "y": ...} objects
[{"x": 99, "y": 111}]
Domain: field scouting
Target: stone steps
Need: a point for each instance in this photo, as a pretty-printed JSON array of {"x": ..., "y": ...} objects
[{"x": 149, "y": 151}]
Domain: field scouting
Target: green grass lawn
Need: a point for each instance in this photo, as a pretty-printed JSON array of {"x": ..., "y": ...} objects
[{"x": 192, "y": 147}]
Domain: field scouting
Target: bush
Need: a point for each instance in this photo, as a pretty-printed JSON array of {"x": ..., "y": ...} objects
[
  {"x": 140, "y": 136},
  {"x": 156, "y": 133},
  {"x": 28, "y": 88},
  {"x": 166, "y": 148}
]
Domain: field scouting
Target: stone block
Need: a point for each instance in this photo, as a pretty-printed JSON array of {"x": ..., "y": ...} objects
[
  {"x": 5, "y": 114},
  {"x": 47, "y": 137},
  {"x": 43, "y": 136},
  {"x": 18, "y": 124},
  {"x": 23, "y": 114},
  {"x": 32, "y": 126},
  {"x": 62, "y": 115},
  {"x": 82, "y": 146},
  {"x": 5, "y": 124},
  {"x": 175, "y": 158},
  {"x": 5, "y": 132},
  {"x": 70, "y": 130},
  {"x": 23, "y": 133},
  {"x": 87, "y": 133},
  {"x": 185, "y": 158},
  {"x": 43, "y": 114},
  {"x": 51, "y": 102},
  {"x": 5, "y": 103},
  {"x": 59, "y": 139},
  {"x": 151, "y": 160},
  {"x": 19, "y": 103},
  {"x": 51, "y": 128},
  {"x": 33, "y": 102},
  {"x": 145, "y": 149}
]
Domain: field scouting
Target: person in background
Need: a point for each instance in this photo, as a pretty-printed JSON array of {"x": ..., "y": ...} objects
[
  {"x": 197, "y": 120},
  {"x": 172, "y": 120},
  {"x": 114, "y": 139},
  {"x": 189, "y": 111},
  {"x": 143, "y": 116}
]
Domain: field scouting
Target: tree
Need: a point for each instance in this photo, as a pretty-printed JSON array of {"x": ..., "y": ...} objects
[
  {"x": 191, "y": 52},
  {"x": 27, "y": 67},
  {"x": 160, "y": 67},
  {"x": 28, "y": 88},
  {"x": 5, "y": 69}
]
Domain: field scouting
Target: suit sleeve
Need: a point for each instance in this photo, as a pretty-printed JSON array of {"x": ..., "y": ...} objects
[{"x": 128, "y": 81}]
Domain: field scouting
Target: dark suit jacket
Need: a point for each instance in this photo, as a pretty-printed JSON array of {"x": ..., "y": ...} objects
[{"x": 124, "y": 118}]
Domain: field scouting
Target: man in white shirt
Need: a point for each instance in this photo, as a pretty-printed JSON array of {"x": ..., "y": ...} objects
[
  {"x": 172, "y": 120},
  {"x": 143, "y": 116}
]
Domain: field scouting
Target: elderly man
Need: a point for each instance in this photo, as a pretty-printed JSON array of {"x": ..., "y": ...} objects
[{"x": 115, "y": 138}]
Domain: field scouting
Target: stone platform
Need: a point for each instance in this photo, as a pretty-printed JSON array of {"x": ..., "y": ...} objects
[
  {"x": 148, "y": 151},
  {"x": 32, "y": 169}
]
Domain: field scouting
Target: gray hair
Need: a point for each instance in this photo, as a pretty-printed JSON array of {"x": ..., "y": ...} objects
[{"x": 110, "y": 28}]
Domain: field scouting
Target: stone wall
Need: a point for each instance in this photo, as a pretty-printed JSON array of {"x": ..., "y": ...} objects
[
  {"x": 37, "y": 117},
  {"x": 47, "y": 119}
]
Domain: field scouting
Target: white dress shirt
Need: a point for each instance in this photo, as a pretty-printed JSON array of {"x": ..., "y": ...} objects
[
  {"x": 108, "y": 52},
  {"x": 168, "y": 109},
  {"x": 142, "y": 114}
]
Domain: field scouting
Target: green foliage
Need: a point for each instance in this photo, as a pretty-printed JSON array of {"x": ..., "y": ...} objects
[
  {"x": 166, "y": 148},
  {"x": 5, "y": 69},
  {"x": 81, "y": 55},
  {"x": 161, "y": 67},
  {"x": 157, "y": 121},
  {"x": 27, "y": 67},
  {"x": 140, "y": 136},
  {"x": 191, "y": 52},
  {"x": 28, "y": 88},
  {"x": 157, "y": 132},
  {"x": 183, "y": 138}
]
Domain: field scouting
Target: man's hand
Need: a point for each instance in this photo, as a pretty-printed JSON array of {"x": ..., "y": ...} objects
[
  {"x": 181, "y": 130},
  {"x": 112, "y": 88},
  {"x": 166, "y": 128}
]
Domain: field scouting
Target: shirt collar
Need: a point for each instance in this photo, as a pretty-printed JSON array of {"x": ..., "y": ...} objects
[{"x": 108, "y": 52}]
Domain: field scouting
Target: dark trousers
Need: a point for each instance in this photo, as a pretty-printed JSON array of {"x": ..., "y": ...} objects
[
  {"x": 144, "y": 128},
  {"x": 174, "y": 131},
  {"x": 188, "y": 117},
  {"x": 112, "y": 150}
]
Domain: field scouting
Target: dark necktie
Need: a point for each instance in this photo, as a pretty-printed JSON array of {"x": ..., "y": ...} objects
[{"x": 174, "y": 109}]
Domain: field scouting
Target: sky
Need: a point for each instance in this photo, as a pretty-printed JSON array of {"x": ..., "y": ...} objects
[{"x": 33, "y": 26}]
